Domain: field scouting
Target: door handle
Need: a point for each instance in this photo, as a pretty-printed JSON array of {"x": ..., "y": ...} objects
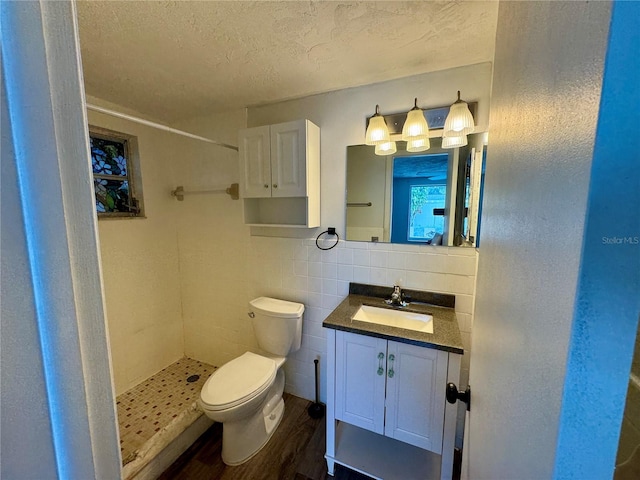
[
  {"x": 453, "y": 395},
  {"x": 390, "y": 372},
  {"x": 380, "y": 369}
]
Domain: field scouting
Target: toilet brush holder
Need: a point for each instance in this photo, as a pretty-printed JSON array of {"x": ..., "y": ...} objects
[{"x": 316, "y": 409}]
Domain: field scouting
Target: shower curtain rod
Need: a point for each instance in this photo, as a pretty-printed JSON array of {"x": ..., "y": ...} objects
[{"x": 159, "y": 126}]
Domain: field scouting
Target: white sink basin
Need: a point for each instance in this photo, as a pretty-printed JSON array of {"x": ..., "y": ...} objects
[{"x": 418, "y": 322}]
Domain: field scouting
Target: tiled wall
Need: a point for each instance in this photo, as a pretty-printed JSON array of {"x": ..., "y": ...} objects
[{"x": 296, "y": 270}]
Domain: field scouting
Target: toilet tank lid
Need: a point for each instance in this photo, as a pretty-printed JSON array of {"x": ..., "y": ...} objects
[{"x": 277, "y": 308}]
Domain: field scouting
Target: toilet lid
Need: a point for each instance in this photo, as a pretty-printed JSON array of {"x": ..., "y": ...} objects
[{"x": 238, "y": 381}]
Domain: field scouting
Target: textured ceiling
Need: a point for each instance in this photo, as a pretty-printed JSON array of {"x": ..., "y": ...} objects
[{"x": 176, "y": 60}]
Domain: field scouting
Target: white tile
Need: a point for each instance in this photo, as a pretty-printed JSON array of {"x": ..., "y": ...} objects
[
  {"x": 361, "y": 258},
  {"x": 300, "y": 253},
  {"x": 345, "y": 256},
  {"x": 301, "y": 283},
  {"x": 330, "y": 301},
  {"x": 330, "y": 286},
  {"x": 378, "y": 259},
  {"x": 314, "y": 284},
  {"x": 312, "y": 328},
  {"x": 315, "y": 269},
  {"x": 357, "y": 245},
  {"x": 329, "y": 270},
  {"x": 461, "y": 265},
  {"x": 288, "y": 267},
  {"x": 373, "y": 246},
  {"x": 343, "y": 288},
  {"x": 436, "y": 282},
  {"x": 470, "y": 252},
  {"x": 300, "y": 268},
  {"x": 378, "y": 276},
  {"x": 461, "y": 284},
  {"x": 415, "y": 261},
  {"x": 313, "y": 254},
  {"x": 415, "y": 280},
  {"x": 464, "y": 322},
  {"x": 360, "y": 274},
  {"x": 397, "y": 260},
  {"x": 345, "y": 272},
  {"x": 464, "y": 303},
  {"x": 435, "y": 263},
  {"x": 314, "y": 299},
  {"x": 395, "y": 277},
  {"x": 329, "y": 256}
]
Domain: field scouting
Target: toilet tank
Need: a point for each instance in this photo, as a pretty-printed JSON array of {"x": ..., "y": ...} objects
[{"x": 277, "y": 324}]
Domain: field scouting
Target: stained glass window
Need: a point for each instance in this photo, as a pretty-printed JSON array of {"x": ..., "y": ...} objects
[{"x": 112, "y": 160}]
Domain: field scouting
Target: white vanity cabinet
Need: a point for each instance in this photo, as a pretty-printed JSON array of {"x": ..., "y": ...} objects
[
  {"x": 386, "y": 412},
  {"x": 391, "y": 388},
  {"x": 280, "y": 174}
]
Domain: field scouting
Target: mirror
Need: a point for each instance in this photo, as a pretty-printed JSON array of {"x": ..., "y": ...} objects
[{"x": 431, "y": 197}]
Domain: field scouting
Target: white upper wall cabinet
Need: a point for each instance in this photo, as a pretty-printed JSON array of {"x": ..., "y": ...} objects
[{"x": 280, "y": 174}]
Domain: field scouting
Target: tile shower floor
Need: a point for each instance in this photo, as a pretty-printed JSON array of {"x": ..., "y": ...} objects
[{"x": 154, "y": 404}]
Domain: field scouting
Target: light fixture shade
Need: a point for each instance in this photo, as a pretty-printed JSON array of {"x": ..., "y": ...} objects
[
  {"x": 377, "y": 131},
  {"x": 454, "y": 142},
  {"x": 419, "y": 145},
  {"x": 415, "y": 126},
  {"x": 387, "y": 148},
  {"x": 459, "y": 121}
]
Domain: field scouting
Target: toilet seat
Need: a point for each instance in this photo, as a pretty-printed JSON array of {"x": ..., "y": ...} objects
[{"x": 238, "y": 381}]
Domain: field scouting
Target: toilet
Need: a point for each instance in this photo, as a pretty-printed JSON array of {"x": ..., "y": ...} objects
[{"x": 245, "y": 394}]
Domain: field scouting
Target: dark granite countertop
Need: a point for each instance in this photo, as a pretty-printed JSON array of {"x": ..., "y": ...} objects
[{"x": 445, "y": 336}]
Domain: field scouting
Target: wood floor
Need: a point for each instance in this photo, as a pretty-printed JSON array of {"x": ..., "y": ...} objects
[{"x": 296, "y": 452}]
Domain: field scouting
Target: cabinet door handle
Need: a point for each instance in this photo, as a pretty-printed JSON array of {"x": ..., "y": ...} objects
[
  {"x": 266, "y": 185},
  {"x": 390, "y": 371},
  {"x": 380, "y": 369},
  {"x": 275, "y": 185}
]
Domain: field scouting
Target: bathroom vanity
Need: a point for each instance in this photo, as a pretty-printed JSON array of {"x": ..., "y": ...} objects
[{"x": 386, "y": 410}]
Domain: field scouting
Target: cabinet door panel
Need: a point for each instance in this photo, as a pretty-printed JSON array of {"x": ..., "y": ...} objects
[
  {"x": 255, "y": 164},
  {"x": 288, "y": 159},
  {"x": 359, "y": 387},
  {"x": 416, "y": 395}
]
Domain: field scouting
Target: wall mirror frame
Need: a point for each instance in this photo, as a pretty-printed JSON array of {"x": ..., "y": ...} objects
[{"x": 432, "y": 197}]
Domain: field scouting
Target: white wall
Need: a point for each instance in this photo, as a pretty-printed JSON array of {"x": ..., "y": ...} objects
[
  {"x": 213, "y": 243},
  {"x": 544, "y": 109},
  {"x": 140, "y": 261}
]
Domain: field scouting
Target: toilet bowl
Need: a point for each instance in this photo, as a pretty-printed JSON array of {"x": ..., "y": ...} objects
[{"x": 245, "y": 394}]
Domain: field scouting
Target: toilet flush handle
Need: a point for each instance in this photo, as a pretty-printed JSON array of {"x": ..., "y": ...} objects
[{"x": 251, "y": 315}]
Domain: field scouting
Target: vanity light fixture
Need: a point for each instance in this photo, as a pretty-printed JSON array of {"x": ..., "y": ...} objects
[
  {"x": 415, "y": 126},
  {"x": 459, "y": 121},
  {"x": 454, "y": 142},
  {"x": 387, "y": 148},
  {"x": 419, "y": 145},
  {"x": 377, "y": 131}
]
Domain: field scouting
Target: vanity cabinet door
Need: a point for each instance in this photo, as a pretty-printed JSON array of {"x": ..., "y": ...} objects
[
  {"x": 255, "y": 162},
  {"x": 360, "y": 380},
  {"x": 289, "y": 159},
  {"x": 415, "y": 397}
]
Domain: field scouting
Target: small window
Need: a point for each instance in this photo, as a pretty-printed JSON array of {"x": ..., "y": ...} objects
[
  {"x": 424, "y": 224},
  {"x": 116, "y": 174}
]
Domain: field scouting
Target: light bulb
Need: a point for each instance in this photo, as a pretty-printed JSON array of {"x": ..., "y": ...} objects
[
  {"x": 459, "y": 121},
  {"x": 386, "y": 148},
  {"x": 415, "y": 126},
  {"x": 419, "y": 145},
  {"x": 454, "y": 142},
  {"x": 377, "y": 131}
]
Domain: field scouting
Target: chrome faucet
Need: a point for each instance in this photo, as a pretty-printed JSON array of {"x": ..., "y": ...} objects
[{"x": 397, "y": 297}]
